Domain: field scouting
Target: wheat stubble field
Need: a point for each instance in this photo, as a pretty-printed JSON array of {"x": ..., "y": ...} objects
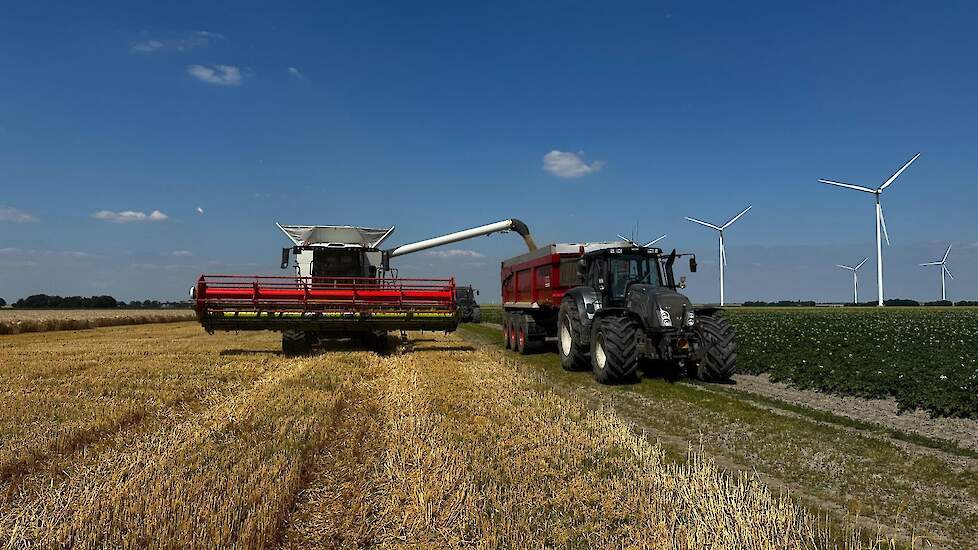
[{"x": 162, "y": 436}]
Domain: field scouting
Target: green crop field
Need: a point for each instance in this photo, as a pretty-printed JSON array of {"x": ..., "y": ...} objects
[{"x": 923, "y": 357}]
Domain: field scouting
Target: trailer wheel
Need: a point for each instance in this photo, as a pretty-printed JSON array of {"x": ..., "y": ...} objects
[
  {"x": 507, "y": 335},
  {"x": 573, "y": 354},
  {"x": 614, "y": 353},
  {"x": 521, "y": 339},
  {"x": 720, "y": 361},
  {"x": 296, "y": 342}
]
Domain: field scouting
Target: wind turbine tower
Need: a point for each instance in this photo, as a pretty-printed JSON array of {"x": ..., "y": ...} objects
[
  {"x": 944, "y": 271},
  {"x": 880, "y": 221},
  {"x": 723, "y": 254},
  {"x": 855, "y": 279}
]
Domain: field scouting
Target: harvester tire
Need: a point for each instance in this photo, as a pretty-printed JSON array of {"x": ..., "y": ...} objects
[
  {"x": 573, "y": 352},
  {"x": 614, "y": 350},
  {"x": 296, "y": 342},
  {"x": 720, "y": 361}
]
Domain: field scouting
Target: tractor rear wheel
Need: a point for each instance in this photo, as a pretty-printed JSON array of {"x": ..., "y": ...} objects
[
  {"x": 614, "y": 350},
  {"x": 573, "y": 352},
  {"x": 720, "y": 361},
  {"x": 296, "y": 342}
]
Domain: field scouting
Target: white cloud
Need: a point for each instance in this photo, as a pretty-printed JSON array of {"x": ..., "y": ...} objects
[
  {"x": 11, "y": 214},
  {"x": 181, "y": 253},
  {"x": 295, "y": 73},
  {"x": 154, "y": 267},
  {"x": 455, "y": 253},
  {"x": 127, "y": 216},
  {"x": 200, "y": 210},
  {"x": 185, "y": 43},
  {"x": 148, "y": 46},
  {"x": 218, "y": 75},
  {"x": 21, "y": 252},
  {"x": 569, "y": 165}
]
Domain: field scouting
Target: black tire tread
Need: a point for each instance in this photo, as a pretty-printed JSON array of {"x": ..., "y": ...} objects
[
  {"x": 620, "y": 347},
  {"x": 720, "y": 361},
  {"x": 578, "y": 359}
]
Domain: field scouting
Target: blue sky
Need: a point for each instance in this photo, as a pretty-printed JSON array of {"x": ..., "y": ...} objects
[{"x": 437, "y": 116}]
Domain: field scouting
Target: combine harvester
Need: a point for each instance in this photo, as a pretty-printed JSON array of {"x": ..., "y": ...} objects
[{"x": 343, "y": 287}]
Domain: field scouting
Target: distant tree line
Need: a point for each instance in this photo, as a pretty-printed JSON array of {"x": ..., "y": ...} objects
[
  {"x": 44, "y": 301},
  {"x": 892, "y": 302}
]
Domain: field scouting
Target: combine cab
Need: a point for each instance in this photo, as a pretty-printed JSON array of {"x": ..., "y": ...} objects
[{"x": 343, "y": 287}]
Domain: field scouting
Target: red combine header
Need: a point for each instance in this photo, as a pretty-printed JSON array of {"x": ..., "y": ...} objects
[{"x": 343, "y": 287}]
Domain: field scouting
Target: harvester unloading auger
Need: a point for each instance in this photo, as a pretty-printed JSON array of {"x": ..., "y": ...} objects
[{"x": 343, "y": 287}]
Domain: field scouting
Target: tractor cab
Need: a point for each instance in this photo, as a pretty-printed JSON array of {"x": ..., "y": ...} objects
[{"x": 612, "y": 270}]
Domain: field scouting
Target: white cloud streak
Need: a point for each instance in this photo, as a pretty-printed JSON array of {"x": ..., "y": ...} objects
[
  {"x": 296, "y": 73},
  {"x": 182, "y": 253},
  {"x": 36, "y": 253},
  {"x": 11, "y": 214},
  {"x": 564, "y": 164},
  {"x": 218, "y": 75},
  {"x": 455, "y": 253},
  {"x": 197, "y": 39},
  {"x": 129, "y": 216}
]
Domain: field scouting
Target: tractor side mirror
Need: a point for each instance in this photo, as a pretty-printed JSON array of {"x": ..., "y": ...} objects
[
  {"x": 692, "y": 264},
  {"x": 476, "y": 292},
  {"x": 285, "y": 258}
]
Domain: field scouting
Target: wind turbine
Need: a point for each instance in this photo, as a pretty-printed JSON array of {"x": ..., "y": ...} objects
[
  {"x": 646, "y": 245},
  {"x": 855, "y": 279},
  {"x": 880, "y": 221},
  {"x": 944, "y": 270},
  {"x": 723, "y": 253}
]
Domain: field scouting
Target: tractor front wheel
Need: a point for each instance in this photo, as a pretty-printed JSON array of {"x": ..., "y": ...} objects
[
  {"x": 614, "y": 350},
  {"x": 720, "y": 361}
]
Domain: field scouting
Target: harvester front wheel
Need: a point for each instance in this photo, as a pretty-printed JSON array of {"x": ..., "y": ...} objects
[
  {"x": 720, "y": 361},
  {"x": 614, "y": 351},
  {"x": 573, "y": 352},
  {"x": 296, "y": 342}
]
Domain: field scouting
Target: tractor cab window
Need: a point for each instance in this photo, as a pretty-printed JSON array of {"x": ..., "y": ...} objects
[{"x": 625, "y": 270}]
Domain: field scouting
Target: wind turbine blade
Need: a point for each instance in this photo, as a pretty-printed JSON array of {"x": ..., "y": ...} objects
[
  {"x": 735, "y": 218},
  {"x": 930, "y": 263},
  {"x": 624, "y": 239},
  {"x": 723, "y": 254},
  {"x": 701, "y": 222},
  {"x": 860, "y": 264},
  {"x": 883, "y": 223},
  {"x": 946, "y": 253},
  {"x": 845, "y": 267},
  {"x": 653, "y": 241},
  {"x": 898, "y": 172},
  {"x": 948, "y": 271},
  {"x": 849, "y": 186}
]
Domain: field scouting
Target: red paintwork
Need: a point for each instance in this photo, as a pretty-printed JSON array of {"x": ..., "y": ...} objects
[
  {"x": 247, "y": 293},
  {"x": 537, "y": 281}
]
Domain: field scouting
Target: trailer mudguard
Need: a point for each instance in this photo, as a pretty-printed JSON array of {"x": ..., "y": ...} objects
[{"x": 588, "y": 303}]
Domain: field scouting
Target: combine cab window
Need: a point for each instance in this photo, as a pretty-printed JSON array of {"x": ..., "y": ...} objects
[
  {"x": 631, "y": 269},
  {"x": 337, "y": 263}
]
